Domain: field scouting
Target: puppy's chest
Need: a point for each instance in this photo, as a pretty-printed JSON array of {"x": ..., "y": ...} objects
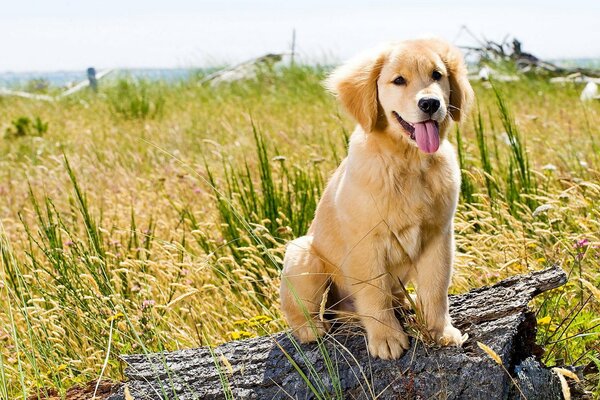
[
  {"x": 411, "y": 199},
  {"x": 414, "y": 205}
]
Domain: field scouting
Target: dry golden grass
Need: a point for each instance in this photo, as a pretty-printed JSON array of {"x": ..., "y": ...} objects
[{"x": 152, "y": 253}]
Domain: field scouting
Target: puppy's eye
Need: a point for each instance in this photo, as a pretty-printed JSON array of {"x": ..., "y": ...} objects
[
  {"x": 436, "y": 75},
  {"x": 399, "y": 81}
]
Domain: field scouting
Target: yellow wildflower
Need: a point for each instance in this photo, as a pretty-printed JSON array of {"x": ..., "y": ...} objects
[
  {"x": 237, "y": 335},
  {"x": 115, "y": 317},
  {"x": 544, "y": 321}
]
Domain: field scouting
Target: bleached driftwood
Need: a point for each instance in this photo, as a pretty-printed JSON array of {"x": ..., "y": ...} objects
[
  {"x": 44, "y": 97},
  {"x": 244, "y": 70}
]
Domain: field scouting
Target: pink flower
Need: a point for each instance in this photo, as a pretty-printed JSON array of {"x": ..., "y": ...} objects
[
  {"x": 580, "y": 246},
  {"x": 147, "y": 304}
]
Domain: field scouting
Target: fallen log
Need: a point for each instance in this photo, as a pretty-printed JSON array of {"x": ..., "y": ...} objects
[{"x": 275, "y": 366}]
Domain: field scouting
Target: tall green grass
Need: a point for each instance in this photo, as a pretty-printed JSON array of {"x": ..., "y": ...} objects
[
  {"x": 466, "y": 184},
  {"x": 280, "y": 197},
  {"x": 520, "y": 185},
  {"x": 484, "y": 154},
  {"x": 136, "y": 99},
  {"x": 518, "y": 182}
]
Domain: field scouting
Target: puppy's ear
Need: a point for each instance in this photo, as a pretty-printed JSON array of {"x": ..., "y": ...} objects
[
  {"x": 461, "y": 92},
  {"x": 355, "y": 85}
]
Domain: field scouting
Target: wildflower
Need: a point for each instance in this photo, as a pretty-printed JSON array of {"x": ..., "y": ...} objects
[
  {"x": 580, "y": 246},
  {"x": 259, "y": 320},
  {"x": 148, "y": 304},
  {"x": 69, "y": 243},
  {"x": 544, "y": 321},
  {"x": 237, "y": 335},
  {"x": 115, "y": 317},
  {"x": 549, "y": 167},
  {"x": 197, "y": 190},
  {"x": 61, "y": 367},
  {"x": 541, "y": 209}
]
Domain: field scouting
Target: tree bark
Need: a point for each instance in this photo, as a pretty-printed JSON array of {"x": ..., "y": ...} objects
[{"x": 274, "y": 367}]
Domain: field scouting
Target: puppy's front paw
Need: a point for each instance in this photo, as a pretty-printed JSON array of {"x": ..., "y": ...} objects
[
  {"x": 309, "y": 333},
  {"x": 388, "y": 343},
  {"x": 450, "y": 336}
]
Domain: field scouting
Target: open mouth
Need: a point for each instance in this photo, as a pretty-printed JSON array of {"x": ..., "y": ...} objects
[
  {"x": 426, "y": 133},
  {"x": 408, "y": 127}
]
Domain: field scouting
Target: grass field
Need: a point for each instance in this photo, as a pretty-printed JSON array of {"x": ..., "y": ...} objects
[{"x": 154, "y": 216}]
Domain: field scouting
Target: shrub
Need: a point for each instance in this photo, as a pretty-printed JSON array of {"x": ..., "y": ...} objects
[
  {"x": 24, "y": 126},
  {"x": 136, "y": 100}
]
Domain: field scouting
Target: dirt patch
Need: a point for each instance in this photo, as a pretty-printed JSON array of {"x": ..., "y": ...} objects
[{"x": 79, "y": 392}]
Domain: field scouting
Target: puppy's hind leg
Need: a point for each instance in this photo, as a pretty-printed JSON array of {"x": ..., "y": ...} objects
[{"x": 303, "y": 284}]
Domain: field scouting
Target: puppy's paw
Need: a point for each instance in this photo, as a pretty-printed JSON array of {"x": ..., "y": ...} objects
[
  {"x": 309, "y": 333},
  {"x": 388, "y": 344},
  {"x": 450, "y": 336}
]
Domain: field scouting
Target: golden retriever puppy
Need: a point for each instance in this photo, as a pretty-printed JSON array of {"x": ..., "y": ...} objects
[{"x": 385, "y": 218}]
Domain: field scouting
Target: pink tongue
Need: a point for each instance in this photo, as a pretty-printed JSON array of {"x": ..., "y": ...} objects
[{"x": 428, "y": 136}]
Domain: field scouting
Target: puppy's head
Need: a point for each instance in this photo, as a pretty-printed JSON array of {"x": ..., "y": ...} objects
[{"x": 411, "y": 89}]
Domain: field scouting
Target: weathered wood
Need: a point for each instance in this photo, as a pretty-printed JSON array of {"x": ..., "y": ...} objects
[
  {"x": 267, "y": 367},
  {"x": 91, "y": 81},
  {"x": 511, "y": 51}
]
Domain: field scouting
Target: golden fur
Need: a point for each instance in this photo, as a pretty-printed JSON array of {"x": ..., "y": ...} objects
[{"x": 386, "y": 214}]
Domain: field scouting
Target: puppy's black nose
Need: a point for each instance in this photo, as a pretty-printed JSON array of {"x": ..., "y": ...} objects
[{"x": 429, "y": 105}]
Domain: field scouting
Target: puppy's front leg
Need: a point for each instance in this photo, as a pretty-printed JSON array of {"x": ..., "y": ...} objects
[
  {"x": 370, "y": 284},
  {"x": 433, "y": 278}
]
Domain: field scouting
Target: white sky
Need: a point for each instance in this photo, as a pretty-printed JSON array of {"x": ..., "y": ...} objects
[{"x": 45, "y": 35}]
